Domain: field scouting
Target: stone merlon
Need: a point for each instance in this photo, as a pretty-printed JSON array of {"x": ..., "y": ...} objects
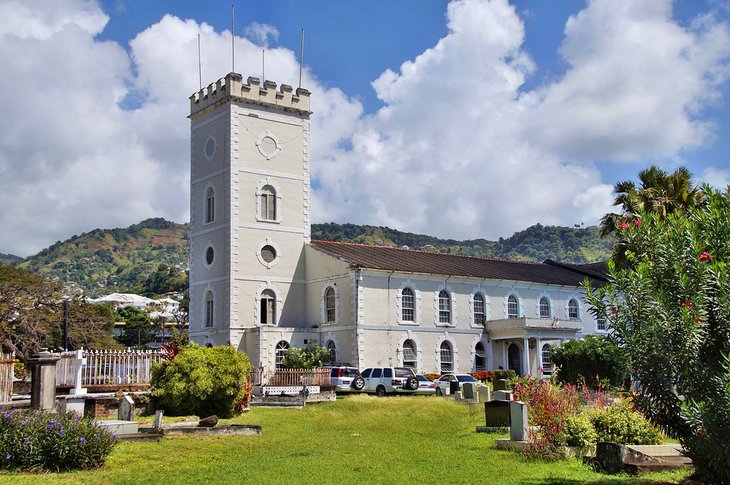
[{"x": 232, "y": 86}]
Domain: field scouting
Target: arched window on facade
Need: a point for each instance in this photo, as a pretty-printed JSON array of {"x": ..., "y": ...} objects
[
  {"x": 209, "y": 306},
  {"x": 329, "y": 305},
  {"x": 268, "y": 203},
  {"x": 210, "y": 205},
  {"x": 547, "y": 364},
  {"x": 573, "y": 309},
  {"x": 447, "y": 357},
  {"x": 281, "y": 348},
  {"x": 480, "y": 317},
  {"x": 480, "y": 357},
  {"x": 268, "y": 307},
  {"x": 410, "y": 356},
  {"x": 332, "y": 349},
  {"x": 408, "y": 305},
  {"x": 513, "y": 307},
  {"x": 544, "y": 307},
  {"x": 444, "y": 307}
]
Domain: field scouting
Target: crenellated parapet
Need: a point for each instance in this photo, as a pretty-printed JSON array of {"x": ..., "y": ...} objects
[{"x": 232, "y": 87}]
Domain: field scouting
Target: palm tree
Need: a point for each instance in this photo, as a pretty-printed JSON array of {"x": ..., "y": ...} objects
[{"x": 660, "y": 192}]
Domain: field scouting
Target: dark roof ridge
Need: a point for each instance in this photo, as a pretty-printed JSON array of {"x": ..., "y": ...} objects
[{"x": 538, "y": 263}]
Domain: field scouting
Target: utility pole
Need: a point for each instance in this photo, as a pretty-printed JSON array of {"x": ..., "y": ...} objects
[{"x": 65, "y": 324}]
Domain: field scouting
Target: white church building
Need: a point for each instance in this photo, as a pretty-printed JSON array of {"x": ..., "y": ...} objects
[{"x": 258, "y": 282}]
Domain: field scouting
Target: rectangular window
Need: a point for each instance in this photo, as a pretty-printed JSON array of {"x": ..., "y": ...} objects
[
  {"x": 268, "y": 207},
  {"x": 601, "y": 324}
]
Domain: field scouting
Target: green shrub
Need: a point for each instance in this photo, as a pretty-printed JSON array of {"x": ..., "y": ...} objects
[
  {"x": 508, "y": 374},
  {"x": 33, "y": 439},
  {"x": 202, "y": 381},
  {"x": 306, "y": 358},
  {"x": 578, "y": 431},
  {"x": 596, "y": 362},
  {"x": 619, "y": 424}
]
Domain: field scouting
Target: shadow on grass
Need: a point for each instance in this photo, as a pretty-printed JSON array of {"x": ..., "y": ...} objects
[{"x": 617, "y": 480}]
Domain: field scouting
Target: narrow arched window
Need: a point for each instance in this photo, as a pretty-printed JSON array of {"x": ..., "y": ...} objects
[
  {"x": 544, "y": 307},
  {"x": 573, "y": 309},
  {"x": 408, "y": 305},
  {"x": 268, "y": 307},
  {"x": 209, "y": 315},
  {"x": 268, "y": 203},
  {"x": 410, "y": 356},
  {"x": 480, "y": 317},
  {"x": 329, "y": 305},
  {"x": 332, "y": 349},
  {"x": 444, "y": 307},
  {"x": 480, "y": 357},
  {"x": 513, "y": 307},
  {"x": 547, "y": 363},
  {"x": 447, "y": 357},
  {"x": 210, "y": 205},
  {"x": 281, "y": 349}
]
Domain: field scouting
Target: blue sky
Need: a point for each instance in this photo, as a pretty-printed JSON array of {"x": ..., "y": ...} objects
[{"x": 460, "y": 119}]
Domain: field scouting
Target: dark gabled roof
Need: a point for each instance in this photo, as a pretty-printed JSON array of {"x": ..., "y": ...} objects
[{"x": 411, "y": 261}]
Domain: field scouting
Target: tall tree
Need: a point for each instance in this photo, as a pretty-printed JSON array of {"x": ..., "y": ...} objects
[
  {"x": 659, "y": 193},
  {"x": 137, "y": 329}
]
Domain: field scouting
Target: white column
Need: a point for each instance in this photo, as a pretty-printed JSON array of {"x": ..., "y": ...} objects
[
  {"x": 539, "y": 356},
  {"x": 526, "y": 357},
  {"x": 505, "y": 364}
]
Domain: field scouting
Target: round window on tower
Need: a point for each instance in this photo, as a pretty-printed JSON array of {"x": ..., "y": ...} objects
[
  {"x": 210, "y": 147},
  {"x": 268, "y": 253},
  {"x": 268, "y": 145},
  {"x": 209, "y": 255}
]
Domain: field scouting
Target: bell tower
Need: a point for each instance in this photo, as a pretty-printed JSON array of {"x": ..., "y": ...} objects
[{"x": 249, "y": 210}]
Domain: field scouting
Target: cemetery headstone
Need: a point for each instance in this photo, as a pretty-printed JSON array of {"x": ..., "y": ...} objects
[
  {"x": 469, "y": 390},
  {"x": 501, "y": 385},
  {"x": 126, "y": 409},
  {"x": 502, "y": 395},
  {"x": 496, "y": 414},
  {"x": 158, "y": 419},
  {"x": 484, "y": 394},
  {"x": 518, "y": 421}
]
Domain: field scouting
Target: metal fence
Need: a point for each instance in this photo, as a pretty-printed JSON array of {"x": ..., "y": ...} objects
[
  {"x": 7, "y": 366},
  {"x": 106, "y": 367}
]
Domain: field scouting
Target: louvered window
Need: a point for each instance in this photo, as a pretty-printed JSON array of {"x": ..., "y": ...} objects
[
  {"x": 268, "y": 203},
  {"x": 447, "y": 357},
  {"x": 410, "y": 357}
]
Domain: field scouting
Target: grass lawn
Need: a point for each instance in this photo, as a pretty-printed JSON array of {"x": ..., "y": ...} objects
[{"x": 358, "y": 439}]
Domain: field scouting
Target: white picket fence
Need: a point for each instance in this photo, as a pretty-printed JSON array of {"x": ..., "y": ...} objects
[
  {"x": 105, "y": 367},
  {"x": 7, "y": 364}
]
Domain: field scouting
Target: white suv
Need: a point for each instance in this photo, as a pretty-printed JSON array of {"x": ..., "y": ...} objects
[
  {"x": 389, "y": 380},
  {"x": 346, "y": 379}
]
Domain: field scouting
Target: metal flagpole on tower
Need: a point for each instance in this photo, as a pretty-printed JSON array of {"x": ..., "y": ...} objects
[
  {"x": 200, "y": 69},
  {"x": 233, "y": 37},
  {"x": 301, "y": 58}
]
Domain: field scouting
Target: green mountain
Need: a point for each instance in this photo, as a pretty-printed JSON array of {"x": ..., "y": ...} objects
[
  {"x": 152, "y": 256},
  {"x": 10, "y": 259},
  {"x": 109, "y": 260}
]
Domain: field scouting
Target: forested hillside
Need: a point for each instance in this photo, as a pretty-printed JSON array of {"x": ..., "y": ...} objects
[{"x": 151, "y": 257}]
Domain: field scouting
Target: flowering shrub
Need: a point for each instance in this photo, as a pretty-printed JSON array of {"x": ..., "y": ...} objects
[
  {"x": 578, "y": 431},
  {"x": 620, "y": 424},
  {"x": 32, "y": 439},
  {"x": 484, "y": 375}
]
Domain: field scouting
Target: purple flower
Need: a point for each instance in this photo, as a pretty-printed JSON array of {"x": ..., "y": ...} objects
[
  {"x": 114, "y": 436},
  {"x": 83, "y": 440},
  {"x": 96, "y": 438},
  {"x": 62, "y": 432},
  {"x": 59, "y": 425},
  {"x": 52, "y": 421},
  {"x": 22, "y": 423},
  {"x": 7, "y": 416},
  {"x": 7, "y": 457},
  {"x": 50, "y": 426},
  {"x": 26, "y": 441}
]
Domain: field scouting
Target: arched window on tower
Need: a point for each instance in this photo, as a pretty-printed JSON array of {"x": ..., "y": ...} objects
[
  {"x": 210, "y": 205},
  {"x": 447, "y": 357},
  {"x": 209, "y": 315},
  {"x": 329, "y": 305},
  {"x": 480, "y": 357},
  {"x": 267, "y": 210},
  {"x": 268, "y": 307}
]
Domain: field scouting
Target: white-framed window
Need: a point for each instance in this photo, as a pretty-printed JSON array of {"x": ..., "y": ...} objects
[
  {"x": 268, "y": 308},
  {"x": 480, "y": 356},
  {"x": 601, "y": 323},
  {"x": 209, "y": 309},
  {"x": 330, "y": 305},
  {"x": 279, "y": 352},
  {"x": 332, "y": 349},
  {"x": 267, "y": 205},
  {"x": 544, "y": 307},
  {"x": 444, "y": 307},
  {"x": 446, "y": 353},
  {"x": 513, "y": 307},
  {"x": 268, "y": 254},
  {"x": 480, "y": 315},
  {"x": 209, "y": 256},
  {"x": 410, "y": 354},
  {"x": 573, "y": 309},
  {"x": 408, "y": 305},
  {"x": 547, "y": 364},
  {"x": 209, "y": 205}
]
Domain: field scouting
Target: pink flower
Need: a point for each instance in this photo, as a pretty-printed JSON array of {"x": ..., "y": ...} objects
[
  {"x": 637, "y": 222},
  {"x": 705, "y": 256},
  {"x": 624, "y": 225},
  {"x": 613, "y": 311},
  {"x": 687, "y": 304}
]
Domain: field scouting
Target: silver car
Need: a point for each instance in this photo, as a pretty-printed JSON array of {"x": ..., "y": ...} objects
[{"x": 443, "y": 384}]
